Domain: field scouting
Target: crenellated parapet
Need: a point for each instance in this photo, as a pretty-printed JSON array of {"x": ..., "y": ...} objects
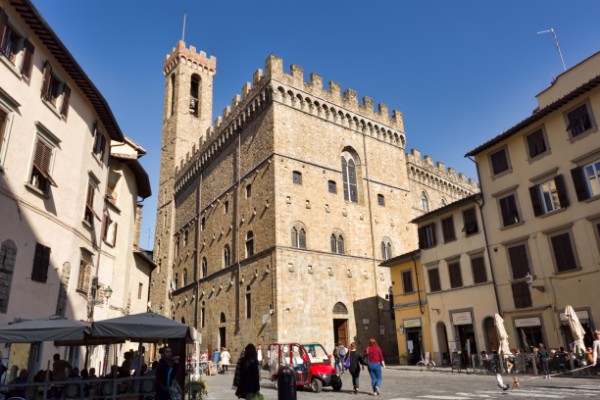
[
  {"x": 436, "y": 175},
  {"x": 189, "y": 56},
  {"x": 274, "y": 85}
]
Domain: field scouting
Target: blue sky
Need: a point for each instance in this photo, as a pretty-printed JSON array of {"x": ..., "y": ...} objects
[{"x": 461, "y": 72}]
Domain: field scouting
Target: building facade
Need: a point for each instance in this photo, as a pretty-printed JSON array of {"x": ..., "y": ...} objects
[
  {"x": 409, "y": 304},
  {"x": 272, "y": 221},
  {"x": 59, "y": 251},
  {"x": 541, "y": 189}
]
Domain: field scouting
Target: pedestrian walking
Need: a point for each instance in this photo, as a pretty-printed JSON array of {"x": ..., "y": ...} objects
[
  {"x": 596, "y": 347},
  {"x": 165, "y": 373},
  {"x": 544, "y": 360},
  {"x": 376, "y": 363},
  {"x": 225, "y": 358},
  {"x": 355, "y": 366},
  {"x": 246, "y": 379}
]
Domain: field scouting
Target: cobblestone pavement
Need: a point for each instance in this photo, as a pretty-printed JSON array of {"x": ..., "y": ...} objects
[{"x": 412, "y": 384}]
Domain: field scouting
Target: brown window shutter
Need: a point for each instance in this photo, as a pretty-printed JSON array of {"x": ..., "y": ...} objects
[
  {"x": 559, "y": 181},
  {"x": 114, "y": 238},
  {"x": 66, "y": 96},
  {"x": 3, "y": 29},
  {"x": 434, "y": 241},
  {"x": 518, "y": 261},
  {"x": 581, "y": 187},
  {"x": 3, "y": 120},
  {"x": 41, "y": 160},
  {"x": 422, "y": 242},
  {"x": 47, "y": 80},
  {"x": 536, "y": 202},
  {"x": 27, "y": 65}
]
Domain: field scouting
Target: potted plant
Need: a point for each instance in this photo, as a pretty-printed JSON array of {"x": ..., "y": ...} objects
[{"x": 198, "y": 390}]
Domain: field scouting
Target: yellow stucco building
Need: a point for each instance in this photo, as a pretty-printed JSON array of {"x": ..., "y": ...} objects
[{"x": 409, "y": 306}]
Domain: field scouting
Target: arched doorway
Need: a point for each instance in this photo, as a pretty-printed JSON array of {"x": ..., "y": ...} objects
[{"x": 340, "y": 324}]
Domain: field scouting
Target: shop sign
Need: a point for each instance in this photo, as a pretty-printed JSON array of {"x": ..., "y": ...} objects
[
  {"x": 462, "y": 318},
  {"x": 412, "y": 323},
  {"x": 525, "y": 322}
]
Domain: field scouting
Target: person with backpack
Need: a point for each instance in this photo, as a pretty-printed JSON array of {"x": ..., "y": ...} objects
[
  {"x": 336, "y": 358},
  {"x": 354, "y": 366}
]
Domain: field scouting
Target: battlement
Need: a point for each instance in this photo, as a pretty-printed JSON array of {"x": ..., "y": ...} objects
[
  {"x": 347, "y": 100},
  {"x": 191, "y": 57},
  {"x": 439, "y": 169},
  {"x": 275, "y": 85}
]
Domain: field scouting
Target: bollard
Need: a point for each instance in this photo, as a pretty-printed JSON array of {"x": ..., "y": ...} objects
[{"x": 286, "y": 383}]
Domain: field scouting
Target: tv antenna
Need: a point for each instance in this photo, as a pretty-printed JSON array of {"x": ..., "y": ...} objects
[
  {"x": 183, "y": 31},
  {"x": 553, "y": 32}
]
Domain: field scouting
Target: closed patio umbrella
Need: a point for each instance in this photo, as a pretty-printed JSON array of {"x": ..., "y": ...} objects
[
  {"x": 502, "y": 334},
  {"x": 576, "y": 329}
]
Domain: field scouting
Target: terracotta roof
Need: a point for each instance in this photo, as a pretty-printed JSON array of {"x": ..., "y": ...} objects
[
  {"x": 54, "y": 45},
  {"x": 538, "y": 115},
  {"x": 438, "y": 211}
]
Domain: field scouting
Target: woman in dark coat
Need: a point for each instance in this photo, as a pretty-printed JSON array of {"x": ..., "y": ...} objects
[
  {"x": 355, "y": 366},
  {"x": 247, "y": 374}
]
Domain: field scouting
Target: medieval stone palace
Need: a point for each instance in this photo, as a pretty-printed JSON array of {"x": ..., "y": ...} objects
[{"x": 273, "y": 220}]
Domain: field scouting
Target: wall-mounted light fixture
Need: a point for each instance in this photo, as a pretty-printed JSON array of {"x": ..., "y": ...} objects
[{"x": 529, "y": 280}]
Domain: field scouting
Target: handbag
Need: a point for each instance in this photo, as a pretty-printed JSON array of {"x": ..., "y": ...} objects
[
  {"x": 347, "y": 363},
  {"x": 175, "y": 391},
  {"x": 258, "y": 396}
]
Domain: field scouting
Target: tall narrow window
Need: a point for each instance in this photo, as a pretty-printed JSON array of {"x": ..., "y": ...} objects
[
  {"x": 248, "y": 301},
  {"x": 331, "y": 187},
  {"x": 536, "y": 143},
  {"x": 248, "y": 191},
  {"x": 204, "y": 268},
  {"x": 8, "y": 256},
  {"x": 249, "y": 244},
  {"x": 586, "y": 180},
  {"x": 89, "y": 214},
  {"x": 184, "y": 277},
  {"x": 381, "y": 200},
  {"x": 424, "y": 202},
  {"x": 172, "y": 94},
  {"x": 302, "y": 239},
  {"x": 455, "y": 273},
  {"x": 407, "y": 282},
  {"x": 333, "y": 242},
  {"x": 226, "y": 257},
  {"x": 349, "y": 177},
  {"x": 297, "y": 177},
  {"x": 564, "y": 255},
  {"x": 99, "y": 143},
  {"x": 194, "y": 90},
  {"x": 433, "y": 274},
  {"x": 41, "y": 177},
  {"x": 3, "y": 132},
  {"x": 427, "y": 236},
  {"x": 203, "y": 315},
  {"x": 84, "y": 276},
  {"x": 448, "y": 229},
  {"x": 340, "y": 244},
  {"x": 478, "y": 268},
  {"x": 41, "y": 262},
  {"x": 55, "y": 92},
  {"x": 140, "y": 290},
  {"x": 386, "y": 249},
  {"x": 499, "y": 161}
]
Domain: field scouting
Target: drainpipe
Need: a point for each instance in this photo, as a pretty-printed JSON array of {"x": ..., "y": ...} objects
[{"x": 485, "y": 237}]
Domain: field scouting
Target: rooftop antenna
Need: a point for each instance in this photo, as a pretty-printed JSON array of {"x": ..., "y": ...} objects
[
  {"x": 183, "y": 31},
  {"x": 553, "y": 32}
]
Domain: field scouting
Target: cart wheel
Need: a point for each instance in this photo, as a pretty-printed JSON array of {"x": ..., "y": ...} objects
[
  {"x": 316, "y": 385},
  {"x": 337, "y": 385}
]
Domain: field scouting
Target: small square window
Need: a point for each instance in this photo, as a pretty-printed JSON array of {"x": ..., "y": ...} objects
[
  {"x": 579, "y": 121},
  {"x": 470, "y": 220},
  {"x": 509, "y": 211},
  {"x": 536, "y": 143},
  {"x": 332, "y": 187},
  {"x": 297, "y": 177},
  {"x": 381, "y": 200},
  {"x": 499, "y": 161}
]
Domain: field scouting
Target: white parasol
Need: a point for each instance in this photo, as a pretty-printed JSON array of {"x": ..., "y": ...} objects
[
  {"x": 502, "y": 335},
  {"x": 576, "y": 329}
]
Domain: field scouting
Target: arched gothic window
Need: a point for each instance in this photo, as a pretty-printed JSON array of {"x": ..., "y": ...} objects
[
  {"x": 298, "y": 238},
  {"x": 349, "y": 177},
  {"x": 337, "y": 243},
  {"x": 386, "y": 249}
]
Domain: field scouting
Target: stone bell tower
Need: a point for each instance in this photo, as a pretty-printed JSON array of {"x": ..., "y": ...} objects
[{"x": 187, "y": 115}]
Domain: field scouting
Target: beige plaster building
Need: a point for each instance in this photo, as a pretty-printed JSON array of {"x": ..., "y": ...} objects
[
  {"x": 60, "y": 249},
  {"x": 272, "y": 221},
  {"x": 541, "y": 189},
  {"x": 458, "y": 280}
]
